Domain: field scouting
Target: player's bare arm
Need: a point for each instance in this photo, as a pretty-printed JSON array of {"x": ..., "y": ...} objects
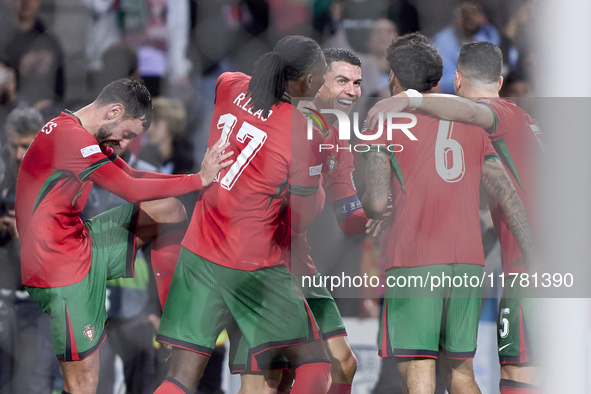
[
  {"x": 444, "y": 106},
  {"x": 497, "y": 183},
  {"x": 377, "y": 173},
  {"x": 213, "y": 162}
]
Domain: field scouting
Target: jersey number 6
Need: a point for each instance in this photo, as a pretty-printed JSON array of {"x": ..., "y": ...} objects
[{"x": 449, "y": 155}]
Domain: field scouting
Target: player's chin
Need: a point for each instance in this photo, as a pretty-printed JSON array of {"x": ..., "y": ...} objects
[{"x": 345, "y": 105}]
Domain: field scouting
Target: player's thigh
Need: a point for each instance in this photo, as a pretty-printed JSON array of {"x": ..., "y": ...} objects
[
  {"x": 77, "y": 313},
  {"x": 462, "y": 313},
  {"x": 114, "y": 240},
  {"x": 411, "y": 319},
  {"x": 516, "y": 328},
  {"x": 194, "y": 314},
  {"x": 269, "y": 310},
  {"x": 325, "y": 311}
]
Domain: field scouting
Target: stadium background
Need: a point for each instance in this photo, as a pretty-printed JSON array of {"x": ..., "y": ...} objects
[{"x": 552, "y": 40}]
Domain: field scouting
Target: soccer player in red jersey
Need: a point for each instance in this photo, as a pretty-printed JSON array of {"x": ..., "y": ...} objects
[
  {"x": 341, "y": 90},
  {"x": 516, "y": 137},
  {"x": 65, "y": 261},
  {"x": 435, "y": 182},
  {"x": 233, "y": 264}
]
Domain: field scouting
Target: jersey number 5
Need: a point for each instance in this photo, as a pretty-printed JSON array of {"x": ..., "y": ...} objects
[
  {"x": 257, "y": 138},
  {"x": 449, "y": 155}
]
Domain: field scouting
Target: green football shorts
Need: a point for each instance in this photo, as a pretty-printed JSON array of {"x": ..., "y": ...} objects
[
  {"x": 325, "y": 311},
  {"x": 77, "y": 312},
  {"x": 418, "y": 321},
  {"x": 205, "y": 297},
  {"x": 516, "y": 332}
]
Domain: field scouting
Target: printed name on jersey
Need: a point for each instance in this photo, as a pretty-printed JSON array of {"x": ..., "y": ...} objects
[
  {"x": 246, "y": 107},
  {"x": 316, "y": 170},
  {"x": 90, "y": 150}
]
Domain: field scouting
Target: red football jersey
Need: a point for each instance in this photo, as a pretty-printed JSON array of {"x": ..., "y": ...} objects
[
  {"x": 435, "y": 186},
  {"x": 337, "y": 180},
  {"x": 51, "y": 193},
  {"x": 516, "y": 138},
  {"x": 53, "y": 184},
  {"x": 237, "y": 221}
]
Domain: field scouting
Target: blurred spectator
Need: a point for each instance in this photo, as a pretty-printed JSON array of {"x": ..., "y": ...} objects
[
  {"x": 519, "y": 26},
  {"x": 470, "y": 24},
  {"x": 159, "y": 31},
  {"x": 117, "y": 62},
  {"x": 37, "y": 56},
  {"x": 375, "y": 66},
  {"x": 168, "y": 147},
  {"x": 27, "y": 359},
  {"x": 8, "y": 96},
  {"x": 517, "y": 87},
  {"x": 103, "y": 34}
]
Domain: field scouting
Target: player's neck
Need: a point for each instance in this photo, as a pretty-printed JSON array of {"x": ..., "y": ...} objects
[
  {"x": 476, "y": 93},
  {"x": 89, "y": 118}
]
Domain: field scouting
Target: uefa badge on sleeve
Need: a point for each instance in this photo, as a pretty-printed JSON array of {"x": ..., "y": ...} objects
[{"x": 88, "y": 333}]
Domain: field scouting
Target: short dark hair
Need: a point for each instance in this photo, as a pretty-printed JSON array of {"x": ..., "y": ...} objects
[
  {"x": 24, "y": 121},
  {"x": 481, "y": 61},
  {"x": 133, "y": 95},
  {"x": 292, "y": 57},
  {"x": 410, "y": 38},
  {"x": 415, "y": 62},
  {"x": 341, "y": 55}
]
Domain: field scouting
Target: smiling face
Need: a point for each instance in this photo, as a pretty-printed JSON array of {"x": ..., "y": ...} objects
[{"x": 342, "y": 86}]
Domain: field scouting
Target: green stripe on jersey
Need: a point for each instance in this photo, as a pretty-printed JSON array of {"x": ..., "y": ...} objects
[
  {"x": 495, "y": 122},
  {"x": 92, "y": 168},
  {"x": 491, "y": 156},
  {"x": 503, "y": 150},
  {"x": 375, "y": 149},
  {"x": 49, "y": 184},
  {"x": 278, "y": 192},
  {"x": 303, "y": 190}
]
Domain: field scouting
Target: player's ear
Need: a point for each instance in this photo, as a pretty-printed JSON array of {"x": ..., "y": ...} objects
[
  {"x": 500, "y": 83},
  {"x": 115, "y": 111},
  {"x": 457, "y": 81},
  {"x": 392, "y": 79}
]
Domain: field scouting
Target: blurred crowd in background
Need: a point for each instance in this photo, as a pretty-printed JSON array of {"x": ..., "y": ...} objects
[{"x": 57, "y": 54}]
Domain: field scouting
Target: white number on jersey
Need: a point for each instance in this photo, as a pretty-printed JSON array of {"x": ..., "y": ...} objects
[
  {"x": 448, "y": 153},
  {"x": 247, "y": 131}
]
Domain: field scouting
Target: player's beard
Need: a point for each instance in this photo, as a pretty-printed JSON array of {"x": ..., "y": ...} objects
[{"x": 105, "y": 132}]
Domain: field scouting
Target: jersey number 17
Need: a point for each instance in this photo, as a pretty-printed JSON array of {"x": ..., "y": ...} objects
[{"x": 256, "y": 137}]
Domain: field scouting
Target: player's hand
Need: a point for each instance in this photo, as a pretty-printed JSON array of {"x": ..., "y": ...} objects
[
  {"x": 375, "y": 228},
  {"x": 396, "y": 103},
  {"x": 213, "y": 162}
]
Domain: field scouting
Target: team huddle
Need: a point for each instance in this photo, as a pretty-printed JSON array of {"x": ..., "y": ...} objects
[{"x": 263, "y": 181}]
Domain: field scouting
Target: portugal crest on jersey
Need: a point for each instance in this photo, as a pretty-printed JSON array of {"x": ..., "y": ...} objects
[
  {"x": 331, "y": 163},
  {"x": 89, "y": 333}
]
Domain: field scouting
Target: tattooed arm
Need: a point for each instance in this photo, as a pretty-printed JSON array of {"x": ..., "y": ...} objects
[
  {"x": 377, "y": 175},
  {"x": 498, "y": 185}
]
